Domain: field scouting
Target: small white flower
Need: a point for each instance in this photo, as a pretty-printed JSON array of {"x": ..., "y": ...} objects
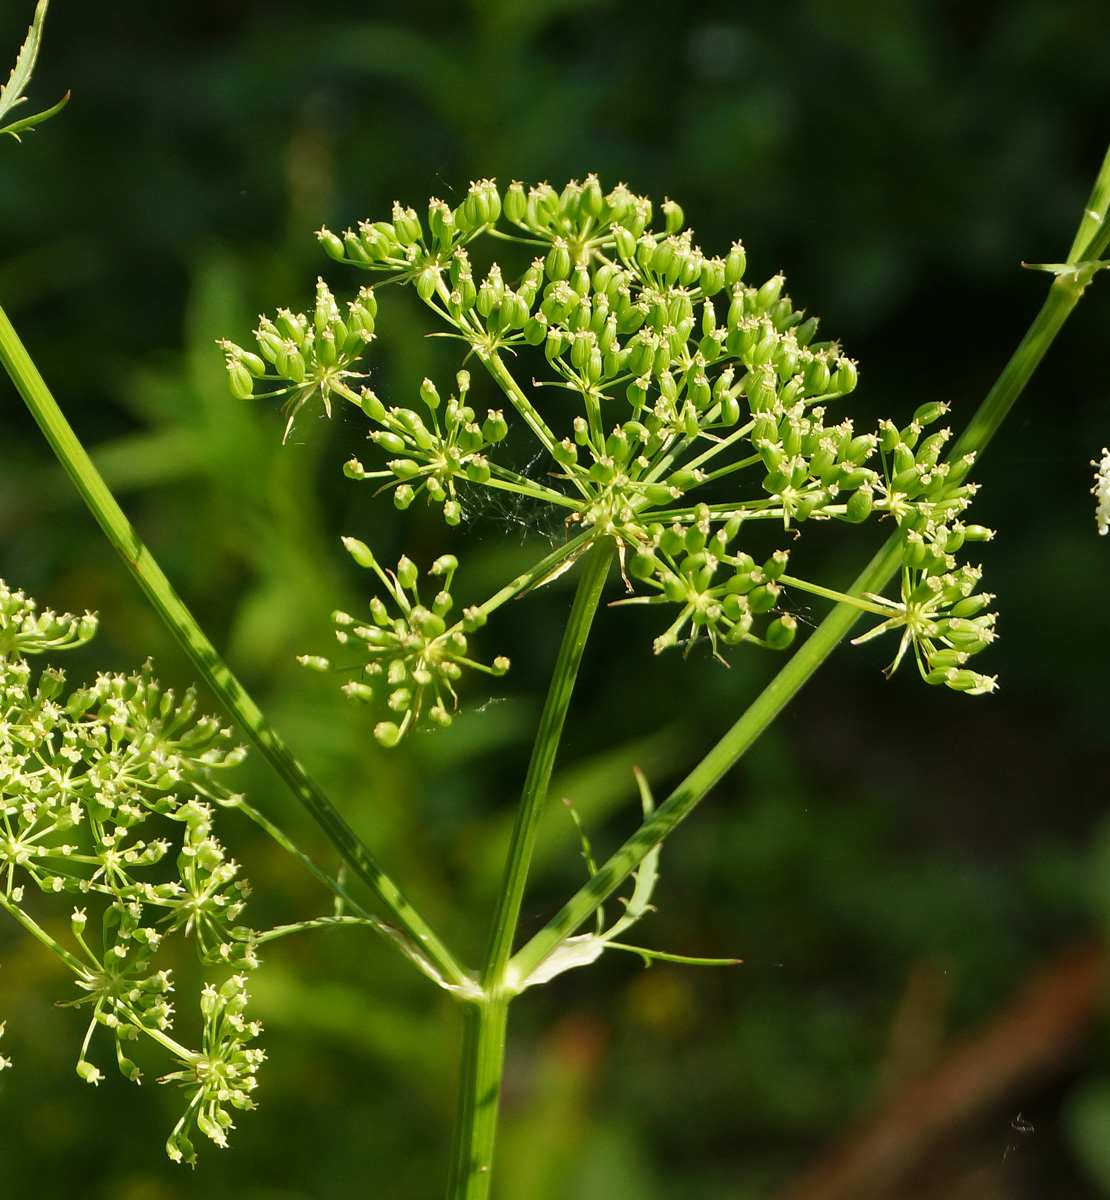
[{"x": 1101, "y": 491}]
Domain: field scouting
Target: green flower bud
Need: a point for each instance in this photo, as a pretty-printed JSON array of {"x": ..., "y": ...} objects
[
  {"x": 780, "y": 633},
  {"x": 387, "y": 734},
  {"x": 404, "y": 468},
  {"x": 694, "y": 539},
  {"x": 930, "y": 449},
  {"x": 971, "y": 682},
  {"x": 581, "y": 347},
  {"x": 495, "y": 428},
  {"x": 768, "y": 293},
  {"x": 430, "y": 624},
  {"x": 672, "y": 215},
  {"x": 971, "y": 605},
  {"x": 88, "y": 1072},
  {"x": 371, "y": 405},
  {"x": 804, "y": 333},
  {"x": 565, "y": 453},
  {"x": 407, "y": 573},
  {"x": 239, "y": 379},
  {"x": 477, "y": 469},
  {"x": 859, "y": 449},
  {"x": 559, "y": 263},
  {"x": 378, "y": 240},
  {"x": 661, "y": 257},
  {"x": 515, "y": 203},
  {"x": 736, "y": 264},
  {"x": 642, "y": 565},
  {"x": 713, "y": 275},
  {"x": 389, "y": 441},
  {"x": 292, "y": 327},
  {"x": 513, "y": 311},
  {"x": 359, "y": 551},
  {"x": 602, "y": 470},
  {"x": 641, "y": 354},
  {"x": 290, "y": 364},
  {"x": 378, "y": 611},
  {"x": 429, "y": 394},
  {"x": 333, "y": 246},
  {"x": 763, "y": 598},
  {"x": 556, "y": 344},
  {"x": 811, "y": 502},
  {"x": 535, "y": 329},
  {"x": 817, "y": 377},
  {"x": 734, "y": 606},
  {"x": 452, "y": 512},
  {"x": 426, "y": 282},
  {"x": 355, "y": 250},
  {"x": 314, "y": 662},
  {"x": 672, "y": 540},
  {"x": 846, "y": 377},
  {"x": 674, "y": 589},
  {"x": 403, "y": 496},
  {"x": 764, "y": 350},
  {"x": 478, "y": 208},
  {"x": 859, "y": 505},
  {"x": 978, "y": 533},
  {"x": 928, "y": 413},
  {"x": 782, "y": 316},
  {"x": 907, "y": 482},
  {"x": 775, "y": 566},
  {"x": 730, "y": 409},
  {"x": 662, "y": 357},
  {"x": 625, "y": 243},
  {"x": 406, "y": 225},
  {"x": 616, "y": 444}
]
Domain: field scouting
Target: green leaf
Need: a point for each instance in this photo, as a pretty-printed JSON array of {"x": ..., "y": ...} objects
[
  {"x": 11, "y": 93},
  {"x": 28, "y": 123}
]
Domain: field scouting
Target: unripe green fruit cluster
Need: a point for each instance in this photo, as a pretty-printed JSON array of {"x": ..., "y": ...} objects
[
  {"x": 413, "y": 655},
  {"x": 435, "y": 452},
  {"x": 680, "y": 376},
  {"x": 308, "y": 353},
  {"x": 24, "y": 630}
]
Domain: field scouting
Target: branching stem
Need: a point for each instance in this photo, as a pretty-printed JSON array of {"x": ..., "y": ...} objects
[{"x": 1063, "y": 295}]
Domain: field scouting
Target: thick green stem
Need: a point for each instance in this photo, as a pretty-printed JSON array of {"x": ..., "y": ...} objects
[
  {"x": 423, "y": 944},
  {"x": 1062, "y": 298},
  {"x": 483, "y": 1060},
  {"x": 486, "y": 1018}
]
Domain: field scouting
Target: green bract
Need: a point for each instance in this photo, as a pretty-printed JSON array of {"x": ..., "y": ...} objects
[{"x": 674, "y": 403}]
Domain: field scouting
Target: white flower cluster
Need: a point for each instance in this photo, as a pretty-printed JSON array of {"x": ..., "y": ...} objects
[
  {"x": 81, "y": 778},
  {"x": 1101, "y": 491}
]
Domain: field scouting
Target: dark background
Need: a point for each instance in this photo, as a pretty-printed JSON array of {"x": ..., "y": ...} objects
[{"x": 892, "y": 863}]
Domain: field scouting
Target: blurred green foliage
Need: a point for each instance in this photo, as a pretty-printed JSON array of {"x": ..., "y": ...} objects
[{"x": 898, "y": 161}]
